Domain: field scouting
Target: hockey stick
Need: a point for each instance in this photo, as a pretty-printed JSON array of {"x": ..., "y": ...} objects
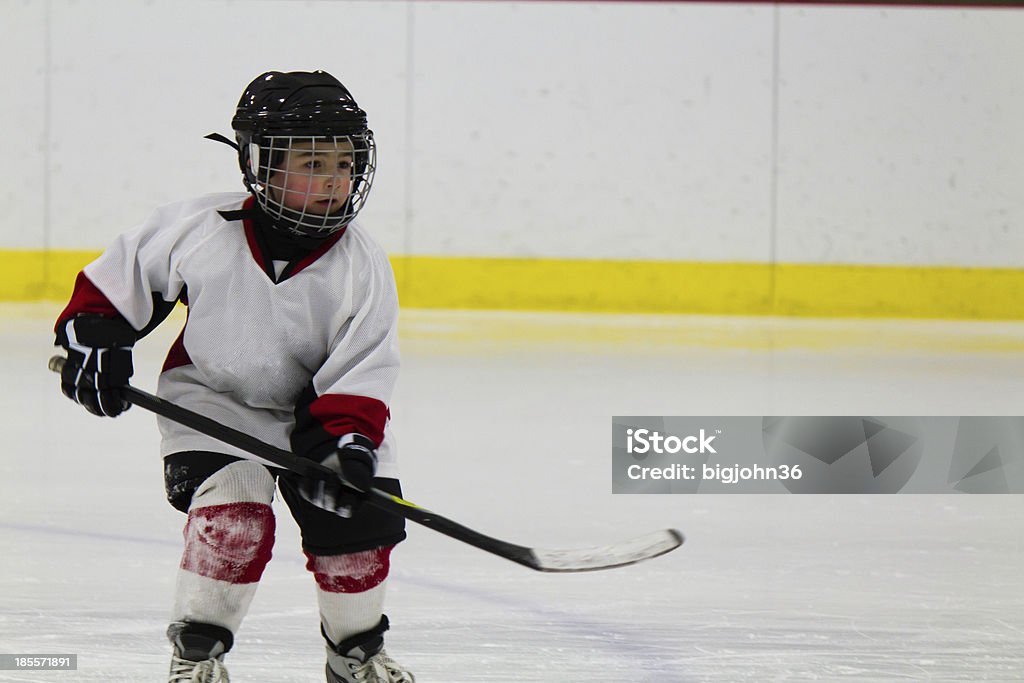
[{"x": 564, "y": 560}]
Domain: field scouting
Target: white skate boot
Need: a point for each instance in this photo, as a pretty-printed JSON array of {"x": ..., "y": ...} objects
[
  {"x": 198, "y": 653},
  {"x": 362, "y": 659}
]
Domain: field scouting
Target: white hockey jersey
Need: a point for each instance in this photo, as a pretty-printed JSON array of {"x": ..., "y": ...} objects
[{"x": 296, "y": 362}]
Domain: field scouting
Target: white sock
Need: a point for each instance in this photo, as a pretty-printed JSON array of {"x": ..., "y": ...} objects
[{"x": 343, "y": 615}]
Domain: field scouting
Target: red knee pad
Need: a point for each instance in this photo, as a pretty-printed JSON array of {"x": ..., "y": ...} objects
[
  {"x": 350, "y": 573},
  {"x": 230, "y": 542}
]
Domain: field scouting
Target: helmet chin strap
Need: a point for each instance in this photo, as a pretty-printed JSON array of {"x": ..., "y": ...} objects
[
  {"x": 274, "y": 230},
  {"x": 217, "y": 137}
]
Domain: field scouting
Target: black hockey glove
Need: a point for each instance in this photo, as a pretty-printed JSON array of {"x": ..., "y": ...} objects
[
  {"x": 355, "y": 461},
  {"x": 99, "y": 362}
]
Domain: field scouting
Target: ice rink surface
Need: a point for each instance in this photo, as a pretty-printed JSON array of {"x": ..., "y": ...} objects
[{"x": 503, "y": 423}]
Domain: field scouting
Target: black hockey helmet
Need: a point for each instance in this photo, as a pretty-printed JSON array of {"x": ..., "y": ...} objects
[{"x": 280, "y": 112}]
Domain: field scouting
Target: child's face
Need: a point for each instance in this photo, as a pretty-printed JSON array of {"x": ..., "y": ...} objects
[{"x": 315, "y": 176}]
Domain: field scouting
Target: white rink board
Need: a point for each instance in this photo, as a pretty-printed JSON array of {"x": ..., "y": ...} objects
[
  {"x": 23, "y": 175},
  {"x": 900, "y": 143},
  {"x": 604, "y": 130},
  {"x": 679, "y": 131}
]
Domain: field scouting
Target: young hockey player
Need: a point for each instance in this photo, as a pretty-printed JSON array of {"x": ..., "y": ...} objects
[{"x": 290, "y": 337}]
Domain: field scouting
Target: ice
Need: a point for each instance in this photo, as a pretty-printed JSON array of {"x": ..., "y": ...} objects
[{"x": 503, "y": 423}]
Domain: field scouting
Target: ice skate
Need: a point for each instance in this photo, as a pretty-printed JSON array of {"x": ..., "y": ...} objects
[
  {"x": 362, "y": 659},
  {"x": 198, "y": 653}
]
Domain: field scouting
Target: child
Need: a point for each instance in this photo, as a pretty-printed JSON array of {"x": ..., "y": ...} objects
[{"x": 290, "y": 337}]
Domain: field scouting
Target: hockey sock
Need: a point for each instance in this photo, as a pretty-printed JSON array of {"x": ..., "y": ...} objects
[
  {"x": 350, "y": 590},
  {"x": 228, "y": 539}
]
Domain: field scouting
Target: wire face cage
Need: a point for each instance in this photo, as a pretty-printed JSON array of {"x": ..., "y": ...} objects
[{"x": 315, "y": 185}]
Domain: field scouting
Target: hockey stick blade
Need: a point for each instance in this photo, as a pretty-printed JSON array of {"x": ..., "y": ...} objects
[
  {"x": 607, "y": 556},
  {"x": 567, "y": 560}
]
